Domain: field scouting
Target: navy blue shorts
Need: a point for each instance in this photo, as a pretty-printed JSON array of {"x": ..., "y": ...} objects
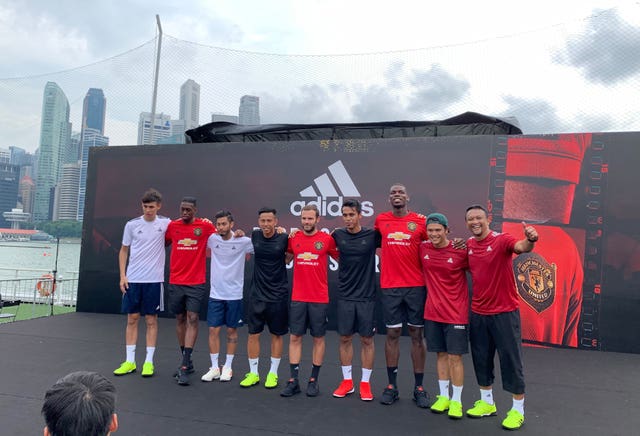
[
  {"x": 143, "y": 298},
  {"x": 446, "y": 338},
  {"x": 224, "y": 312}
]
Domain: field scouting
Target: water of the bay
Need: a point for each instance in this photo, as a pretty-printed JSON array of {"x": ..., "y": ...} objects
[{"x": 33, "y": 259}]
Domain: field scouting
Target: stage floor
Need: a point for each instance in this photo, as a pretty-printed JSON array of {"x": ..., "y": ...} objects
[{"x": 569, "y": 392}]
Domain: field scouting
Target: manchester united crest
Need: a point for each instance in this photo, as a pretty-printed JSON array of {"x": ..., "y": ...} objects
[
  {"x": 318, "y": 245},
  {"x": 197, "y": 231},
  {"x": 411, "y": 226},
  {"x": 536, "y": 280}
]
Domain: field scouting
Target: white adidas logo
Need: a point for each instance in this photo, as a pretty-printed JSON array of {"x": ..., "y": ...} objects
[{"x": 324, "y": 188}]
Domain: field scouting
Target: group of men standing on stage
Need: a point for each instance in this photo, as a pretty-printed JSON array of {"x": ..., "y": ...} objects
[{"x": 415, "y": 251}]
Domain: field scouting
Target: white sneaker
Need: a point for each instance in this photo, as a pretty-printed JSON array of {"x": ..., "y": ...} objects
[
  {"x": 227, "y": 373},
  {"x": 211, "y": 375}
]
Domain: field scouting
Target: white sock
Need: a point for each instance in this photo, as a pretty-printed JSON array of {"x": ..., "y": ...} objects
[
  {"x": 518, "y": 405},
  {"x": 457, "y": 393},
  {"x": 366, "y": 374},
  {"x": 275, "y": 363},
  {"x": 131, "y": 353},
  {"x": 229, "y": 361},
  {"x": 253, "y": 366},
  {"x": 346, "y": 372},
  {"x": 214, "y": 360},
  {"x": 444, "y": 388},
  {"x": 150, "y": 353},
  {"x": 486, "y": 395}
]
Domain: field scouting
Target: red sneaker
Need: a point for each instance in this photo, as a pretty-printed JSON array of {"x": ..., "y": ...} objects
[
  {"x": 365, "y": 391},
  {"x": 345, "y": 388}
]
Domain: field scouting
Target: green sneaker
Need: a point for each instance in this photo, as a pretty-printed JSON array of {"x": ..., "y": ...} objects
[
  {"x": 514, "y": 420},
  {"x": 125, "y": 368},
  {"x": 455, "y": 410},
  {"x": 481, "y": 408},
  {"x": 249, "y": 380},
  {"x": 272, "y": 381},
  {"x": 147, "y": 369},
  {"x": 441, "y": 405}
]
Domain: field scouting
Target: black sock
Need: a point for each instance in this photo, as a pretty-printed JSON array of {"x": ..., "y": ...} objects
[
  {"x": 186, "y": 356},
  {"x": 294, "y": 370},
  {"x": 418, "y": 377},
  {"x": 315, "y": 371},
  {"x": 392, "y": 373}
]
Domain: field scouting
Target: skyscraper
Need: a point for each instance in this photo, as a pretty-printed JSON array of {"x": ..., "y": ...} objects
[
  {"x": 9, "y": 181},
  {"x": 66, "y": 197},
  {"x": 190, "y": 104},
  {"x": 215, "y": 117},
  {"x": 249, "y": 113},
  {"x": 55, "y": 132},
  {"x": 90, "y": 138},
  {"x": 94, "y": 110},
  {"x": 161, "y": 129}
]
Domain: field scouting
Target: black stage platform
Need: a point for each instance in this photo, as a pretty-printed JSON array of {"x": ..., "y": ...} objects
[{"x": 569, "y": 392}]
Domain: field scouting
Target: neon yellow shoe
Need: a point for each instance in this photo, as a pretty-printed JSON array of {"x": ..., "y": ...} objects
[
  {"x": 514, "y": 420},
  {"x": 272, "y": 381},
  {"x": 125, "y": 368},
  {"x": 481, "y": 408},
  {"x": 147, "y": 369},
  {"x": 249, "y": 380},
  {"x": 441, "y": 405},
  {"x": 455, "y": 410}
]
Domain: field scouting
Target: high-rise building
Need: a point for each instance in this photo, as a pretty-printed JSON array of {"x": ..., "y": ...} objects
[
  {"x": 26, "y": 193},
  {"x": 161, "y": 129},
  {"x": 177, "y": 133},
  {"x": 9, "y": 181},
  {"x": 249, "y": 113},
  {"x": 215, "y": 117},
  {"x": 90, "y": 138},
  {"x": 190, "y": 104},
  {"x": 94, "y": 109},
  {"x": 55, "y": 132},
  {"x": 66, "y": 196}
]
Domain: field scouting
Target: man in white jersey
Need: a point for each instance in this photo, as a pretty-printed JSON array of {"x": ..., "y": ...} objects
[
  {"x": 228, "y": 255},
  {"x": 141, "y": 280}
]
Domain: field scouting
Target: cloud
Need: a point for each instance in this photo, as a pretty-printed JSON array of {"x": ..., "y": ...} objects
[
  {"x": 308, "y": 104},
  {"x": 377, "y": 103},
  {"x": 434, "y": 90},
  {"x": 534, "y": 115},
  {"x": 608, "y": 52}
]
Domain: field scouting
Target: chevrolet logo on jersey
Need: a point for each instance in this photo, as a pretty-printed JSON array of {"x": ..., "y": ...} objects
[
  {"x": 307, "y": 256},
  {"x": 187, "y": 242},
  {"x": 398, "y": 236}
]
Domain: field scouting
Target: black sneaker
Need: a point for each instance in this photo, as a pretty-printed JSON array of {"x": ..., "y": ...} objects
[
  {"x": 190, "y": 370},
  {"x": 312, "y": 388},
  {"x": 389, "y": 395},
  {"x": 183, "y": 377},
  {"x": 292, "y": 388},
  {"x": 421, "y": 397}
]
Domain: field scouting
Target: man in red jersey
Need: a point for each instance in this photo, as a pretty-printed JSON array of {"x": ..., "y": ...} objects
[
  {"x": 495, "y": 315},
  {"x": 311, "y": 249},
  {"x": 188, "y": 237},
  {"x": 446, "y": 311},
  {"x": 403, "y": 289}
]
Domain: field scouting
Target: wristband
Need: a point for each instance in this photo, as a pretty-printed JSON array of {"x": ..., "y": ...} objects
[{"x": 532, "y": 240}]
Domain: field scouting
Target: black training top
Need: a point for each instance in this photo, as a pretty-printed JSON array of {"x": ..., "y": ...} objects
[
  {"x": 356, "y": 274},
  {"x": 270, "y": 281}
]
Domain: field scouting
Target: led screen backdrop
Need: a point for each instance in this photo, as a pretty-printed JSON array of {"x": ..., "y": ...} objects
[{"x": 578, "y": 289}]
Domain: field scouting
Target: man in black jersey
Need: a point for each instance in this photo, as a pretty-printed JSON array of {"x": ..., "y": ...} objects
[
  {"x": 356, "y": 296},
  {"x": 268, "y": 300}
]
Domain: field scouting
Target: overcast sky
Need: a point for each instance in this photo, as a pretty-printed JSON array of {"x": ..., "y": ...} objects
[{"x": 40, "y": 37}]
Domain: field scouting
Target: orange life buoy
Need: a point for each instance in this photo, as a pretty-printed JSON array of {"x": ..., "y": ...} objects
[{"x": 45, "y": 286}]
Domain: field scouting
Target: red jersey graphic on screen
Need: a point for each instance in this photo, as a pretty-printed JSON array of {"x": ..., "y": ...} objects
[
  {"x": 311, "y": 259},
  {"x": 400, "y": 242}
]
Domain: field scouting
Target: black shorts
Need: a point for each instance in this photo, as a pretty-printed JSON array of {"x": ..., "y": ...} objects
[
  {"x": 356, "y": 317},
  {"x": 187, "y": 298},
  {"x": 446, "y": 338},
  {"x": 502, "y": 333},
  {"x": 312, "y": 316},
  {"x": 401, "y": 305},
  {"x": 274, "y": 313}
]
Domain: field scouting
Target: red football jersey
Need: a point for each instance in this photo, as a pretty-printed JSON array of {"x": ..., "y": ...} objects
[
  {"x": 400, "y": 259},
  {"x": 188, "y": 251},
  {"x": 494, "y": 287},
  {"x": 311, "y": 259},
  {"x": 446, "y": 278}
]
